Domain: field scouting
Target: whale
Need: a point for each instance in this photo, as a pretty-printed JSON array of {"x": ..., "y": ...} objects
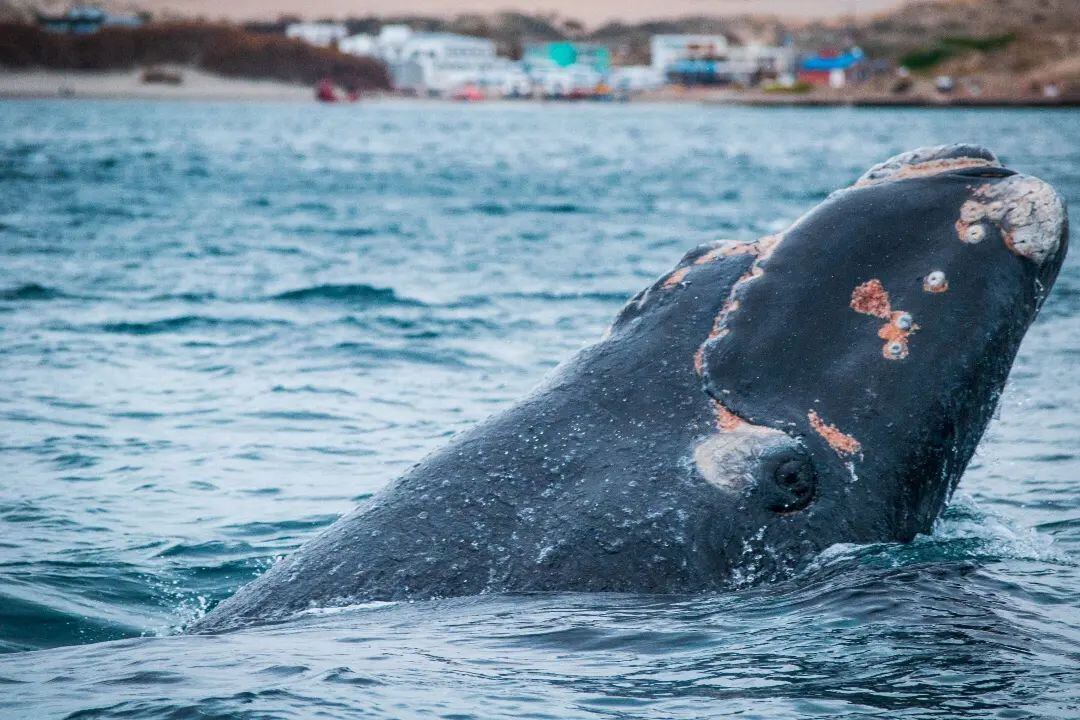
[{"x": 757, "y": 404}]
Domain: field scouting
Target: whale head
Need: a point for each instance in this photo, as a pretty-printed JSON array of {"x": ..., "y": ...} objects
[{"x": 856, "y": 365}]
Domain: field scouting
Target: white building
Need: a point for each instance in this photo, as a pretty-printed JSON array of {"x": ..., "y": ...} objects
[
  {"x": 391, "y": 41},
  {"x": 553, "y": 80},
  {"x": 635, "y": 78},
  {"x": 433, "y": 63},
  {"x": 666, "y": 50},
  {"x": 362, "y": 45},
  {"x": 322, "y": 34},
  {"x": 746, "y": 62},
  {"x": 712, "y": 59},
  {"x": 515, "y": 82}
]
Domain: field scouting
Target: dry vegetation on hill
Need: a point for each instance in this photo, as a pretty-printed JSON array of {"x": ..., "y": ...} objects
[
  {"x": 220, "y": 49},
  {"x": 1003, "y": 40},
  {"x": 15, "y": 11}
]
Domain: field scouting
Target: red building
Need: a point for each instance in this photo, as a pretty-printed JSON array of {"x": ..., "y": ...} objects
[{"x": 832, "y": 68}]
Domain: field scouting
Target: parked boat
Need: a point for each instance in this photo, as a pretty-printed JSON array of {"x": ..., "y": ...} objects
[{"x": 325, "y": 92}]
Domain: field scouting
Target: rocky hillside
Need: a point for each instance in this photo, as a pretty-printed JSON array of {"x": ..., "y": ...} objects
[
  {"x": 936, "y": 19},
  {"x": 1029, "y": 42},
  {"x": 220, "y": 49},
  {"x": 15, "y": 11}
]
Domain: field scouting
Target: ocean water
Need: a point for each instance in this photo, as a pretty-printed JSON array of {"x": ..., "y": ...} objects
[{"x": 222, "y": 326}]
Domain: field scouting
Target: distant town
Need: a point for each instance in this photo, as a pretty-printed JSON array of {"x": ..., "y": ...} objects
[
  {"x": 426, "y": 58},
  {"x": 453, "y": 65},
  {"x": 441, "y": 64}
]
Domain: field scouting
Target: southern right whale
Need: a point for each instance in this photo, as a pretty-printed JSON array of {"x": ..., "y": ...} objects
[{"x": 753, "y": 406}]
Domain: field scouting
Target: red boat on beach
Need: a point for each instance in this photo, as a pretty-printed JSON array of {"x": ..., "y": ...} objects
[{"x": 325, "y": 92}]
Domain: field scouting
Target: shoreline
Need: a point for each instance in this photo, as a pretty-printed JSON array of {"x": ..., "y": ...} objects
[
  {"x": 202, "y": 86},
  {"x": 196, "y": 85},
  {"x": 891, "y": 101}
]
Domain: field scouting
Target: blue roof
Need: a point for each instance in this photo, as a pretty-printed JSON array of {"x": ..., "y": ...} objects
[{"x": 839, "y": 62}]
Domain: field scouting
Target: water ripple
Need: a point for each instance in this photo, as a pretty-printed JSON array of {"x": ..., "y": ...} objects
[{"x": 349, "y": 294}]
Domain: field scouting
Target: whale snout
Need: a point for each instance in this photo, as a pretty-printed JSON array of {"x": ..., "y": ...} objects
[{"x": 1028, "y": 213}]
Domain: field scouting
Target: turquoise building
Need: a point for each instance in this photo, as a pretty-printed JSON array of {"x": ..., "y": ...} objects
[{"x": 564, "y": 54}]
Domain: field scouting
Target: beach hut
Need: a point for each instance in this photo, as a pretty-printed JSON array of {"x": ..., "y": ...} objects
[{"x": 832, "y": 69}]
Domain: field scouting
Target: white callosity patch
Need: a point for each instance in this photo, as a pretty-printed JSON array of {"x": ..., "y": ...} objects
[
  {"x": 727, "y": 459},
  {"x": 923, "y": 161},
  {"x": 1028, "y": 212}
]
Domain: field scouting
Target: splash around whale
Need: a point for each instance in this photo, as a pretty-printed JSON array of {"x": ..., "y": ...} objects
[{"x": 757, "y": 404}]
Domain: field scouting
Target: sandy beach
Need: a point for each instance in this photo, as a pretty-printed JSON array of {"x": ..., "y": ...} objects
[
  {"x": 198, "y": 85},
  {"x": 195, "y": 85}
]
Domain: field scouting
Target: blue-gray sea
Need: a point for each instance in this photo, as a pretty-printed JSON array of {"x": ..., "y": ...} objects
[{"x": 223, "y": 325}]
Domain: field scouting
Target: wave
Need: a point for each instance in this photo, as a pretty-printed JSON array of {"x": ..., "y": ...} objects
[
  {"x": 348, "y": 293},
  {"x": 372, "y": 352},
  {"x": 499, "y": 209},
  {"x": 353, "y": 232},
  {"x": 300, "y": 528},
  {"x": 183, "y": 322},
  {"x": 191, "y": 297},
  {"x": 427, "y": 327},
  {"x": 36, "y": 617},
  {"x": 211, "y": 548},
  {"x": 965, "y": 534},
  {"x": 31, "y": 291},
  {"x": 313, "y": 389},
  {"x": 547, "y": 296}
]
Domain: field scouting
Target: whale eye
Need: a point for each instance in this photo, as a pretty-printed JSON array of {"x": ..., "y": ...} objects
[{"x": 790, "y": 481}]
